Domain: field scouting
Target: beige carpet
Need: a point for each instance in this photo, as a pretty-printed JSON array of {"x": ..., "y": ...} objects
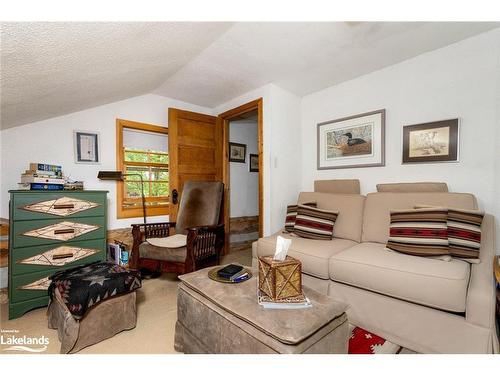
[{"x": 156, "y": 317}]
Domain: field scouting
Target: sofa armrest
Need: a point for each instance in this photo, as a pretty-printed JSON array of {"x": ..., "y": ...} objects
[{"x": 480, "y": 305}]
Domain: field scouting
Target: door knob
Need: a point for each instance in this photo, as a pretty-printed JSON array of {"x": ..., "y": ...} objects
[{"x": 175, "y": 196}]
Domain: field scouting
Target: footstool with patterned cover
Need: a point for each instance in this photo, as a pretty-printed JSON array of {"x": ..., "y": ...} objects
[
  {"x": 214, "y": 317},
  {"x": 91, "y": 303}
]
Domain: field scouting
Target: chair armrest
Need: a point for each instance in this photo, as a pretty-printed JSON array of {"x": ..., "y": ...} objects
[
  {"x": 206, "y": 228},
  {"x": 140, "y": 232},
  {"x": 480, "y": 305},
  {"x": 204, "y": 242},
  {"x": 153, "y": 229},
  {"x": 170, "y": 223}
]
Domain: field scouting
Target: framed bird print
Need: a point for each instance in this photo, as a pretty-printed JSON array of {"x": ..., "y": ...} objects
[
  {"x": 431, "y": 142},
  {"x": 352, "y": 142}
]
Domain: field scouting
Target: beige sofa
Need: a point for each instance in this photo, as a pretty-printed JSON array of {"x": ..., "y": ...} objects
[{"x": 427, "y": 305}]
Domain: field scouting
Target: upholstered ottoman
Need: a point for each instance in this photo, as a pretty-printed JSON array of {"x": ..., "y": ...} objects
[
  {"x": 226, "y": 318},
  {"x": 92, "y": 303}
]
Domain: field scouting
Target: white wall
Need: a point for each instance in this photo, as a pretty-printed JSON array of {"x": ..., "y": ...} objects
[
  {"x": 244, "y": 199},
  {"x": 461, "y": 80},
  {"x": 281, "y": 149},
  {"x": 51, "y": 141},
  {"x": 286, "y": 151}
]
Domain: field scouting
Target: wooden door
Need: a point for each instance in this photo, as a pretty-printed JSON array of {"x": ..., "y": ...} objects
[{"x": 195, "y": 151}]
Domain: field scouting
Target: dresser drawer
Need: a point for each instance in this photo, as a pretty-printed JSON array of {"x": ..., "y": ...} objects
[
  {"x": 50, "y": 257},
  {"x": 58, "y": 231},
  {"x": 34, "y": 206},
  {"x": 29, "y": 286}
]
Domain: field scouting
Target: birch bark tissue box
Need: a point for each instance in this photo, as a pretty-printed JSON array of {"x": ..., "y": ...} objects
[
  {"x": 280, "y": 279},
  {"x": 280, "y": 276}
]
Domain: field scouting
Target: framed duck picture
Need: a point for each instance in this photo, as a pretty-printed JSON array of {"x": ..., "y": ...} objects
[
  {"x": 431, "y": 142},
  {"x": 352, "y": 142}
]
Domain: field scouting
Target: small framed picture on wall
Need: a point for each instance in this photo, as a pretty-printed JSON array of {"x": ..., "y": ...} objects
[
  {"x": 431, "y": 142},
  {"x": 254, "y": 163},
  {"x": 237, "y": 152},
  {"x": 87, "y": 147}
]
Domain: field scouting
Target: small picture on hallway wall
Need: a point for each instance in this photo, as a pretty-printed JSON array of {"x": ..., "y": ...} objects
[
  {"x": 237, "y": 152},
  {"x": 431, "y": 142},
  {"x": 254, "y": 163},
  {"x": 350, "y": 142}
]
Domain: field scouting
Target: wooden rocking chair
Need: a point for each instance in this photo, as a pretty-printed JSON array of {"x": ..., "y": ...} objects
[{"x": 199, "y": 238}]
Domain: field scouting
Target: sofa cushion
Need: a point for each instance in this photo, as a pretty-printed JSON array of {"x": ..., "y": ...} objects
[
  {"x": 315, "y": 223},
  {"x": 146, "y": 250},
  {"x": 175, "y": 241},
  {"x": 314, "y": 254},
  {"x": 421, "y": 232},
  {"x": 426, "y": 281},
  {"x": 349, "y": 206},
  {"x": 376, "y": 216},
  {"x": 337, "y": 186},
  {"x": 413, "y": 187}
]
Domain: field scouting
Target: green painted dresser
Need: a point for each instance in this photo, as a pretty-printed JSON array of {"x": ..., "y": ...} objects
[{"x": 51, "y": 231}]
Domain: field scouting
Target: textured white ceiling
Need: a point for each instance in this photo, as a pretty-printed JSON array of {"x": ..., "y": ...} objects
[
  {"x": 304, "y": 57},
  {"x": 50, "y": 69}
]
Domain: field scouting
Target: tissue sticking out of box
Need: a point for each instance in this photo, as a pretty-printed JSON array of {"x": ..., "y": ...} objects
[{"x": 282, "y": 246}]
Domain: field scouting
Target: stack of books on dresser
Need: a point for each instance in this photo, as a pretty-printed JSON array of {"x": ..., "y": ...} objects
[{"x": 42, "y": 177}]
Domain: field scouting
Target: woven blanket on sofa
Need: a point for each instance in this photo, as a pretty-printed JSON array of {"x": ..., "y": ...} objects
[{"x": 85, "y": 286}]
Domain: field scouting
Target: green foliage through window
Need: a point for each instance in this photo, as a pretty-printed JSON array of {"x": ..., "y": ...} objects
[{"x": 152, "y": 166}]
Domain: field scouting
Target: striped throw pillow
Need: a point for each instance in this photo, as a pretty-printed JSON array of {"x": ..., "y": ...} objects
[
  {"x": 291, "y": 214},
  {"x": 464, "y": 233},
  {"x": 421, "y": 232},
  {"x": 314, "y": 223}
]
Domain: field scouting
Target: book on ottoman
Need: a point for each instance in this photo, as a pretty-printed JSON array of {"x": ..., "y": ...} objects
[{"x": 229, "y": 271}]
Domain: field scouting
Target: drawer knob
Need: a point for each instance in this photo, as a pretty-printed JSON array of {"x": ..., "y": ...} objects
[
  {"x": 63, "y": 206},
  {"x": 63, "y": 231}
]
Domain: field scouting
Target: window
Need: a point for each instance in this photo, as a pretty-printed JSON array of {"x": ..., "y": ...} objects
[{"x": 142, "y": 151}]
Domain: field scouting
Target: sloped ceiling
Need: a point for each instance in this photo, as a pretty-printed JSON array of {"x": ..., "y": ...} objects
[{"x": 51, "y": 69}]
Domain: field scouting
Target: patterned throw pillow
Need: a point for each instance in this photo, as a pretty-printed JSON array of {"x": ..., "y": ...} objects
[
  {"x": 464, "y": 233},
  {"x": 421, "y": 232},
  {"x": 314, "y": 223},
  {"x": 291, "y": 214}
]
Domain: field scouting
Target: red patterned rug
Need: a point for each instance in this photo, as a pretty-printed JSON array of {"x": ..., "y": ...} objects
[{"x": 364, "y": 342}]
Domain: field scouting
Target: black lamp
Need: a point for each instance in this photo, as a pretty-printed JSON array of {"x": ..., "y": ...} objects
[{"x": 119, "y": 176}]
